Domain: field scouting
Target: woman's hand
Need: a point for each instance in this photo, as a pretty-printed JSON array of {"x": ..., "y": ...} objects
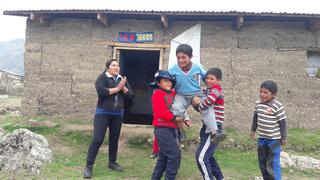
[
  {"x": 122, "y": 83},
  {"x": 125, "y": 89}
]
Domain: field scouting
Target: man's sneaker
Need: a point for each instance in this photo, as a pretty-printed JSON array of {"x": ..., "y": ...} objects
[
  {"x": 87, "y": 173},
  {"x": 154, "y": 155},
  {"x": 114, "y": 166},
  {"x": 218, "y": 137}
]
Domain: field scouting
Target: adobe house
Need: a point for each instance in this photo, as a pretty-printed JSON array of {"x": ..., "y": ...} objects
[
  {"x": 11, "y": 83},
  {"x": 65, "y": 50}
]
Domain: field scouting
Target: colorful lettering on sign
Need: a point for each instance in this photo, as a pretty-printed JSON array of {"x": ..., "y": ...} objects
[{"x": 135, "y": 37}]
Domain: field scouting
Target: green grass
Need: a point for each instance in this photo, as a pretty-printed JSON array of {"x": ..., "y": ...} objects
[
  {"x": 76, "y": 137},
  {"x": 39, "y": 130},
  {"x": 304, "y": 140},
  {"x": 237, "y": 155},
  {"x": 138, "y": 141}
]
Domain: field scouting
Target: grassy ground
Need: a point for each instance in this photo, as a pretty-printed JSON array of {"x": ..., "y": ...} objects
[{"x": 69, "y": 140}]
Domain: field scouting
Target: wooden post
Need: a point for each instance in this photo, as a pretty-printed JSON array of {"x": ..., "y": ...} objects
[
  {"x": 164, "y": 20},
  {"x": 102, "y": 18},
  {"x": 315, "y": 24},
  {"x": 239, "y": 22}
]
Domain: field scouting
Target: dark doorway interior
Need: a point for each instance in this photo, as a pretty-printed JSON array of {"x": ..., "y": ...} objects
[{"x": 139, "y": 66}]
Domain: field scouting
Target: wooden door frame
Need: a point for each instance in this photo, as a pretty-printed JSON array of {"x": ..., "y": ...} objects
[{"x": 116, "y": 52}]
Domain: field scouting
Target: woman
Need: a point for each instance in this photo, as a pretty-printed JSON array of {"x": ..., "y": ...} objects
[{"x": 112, "y": 91}]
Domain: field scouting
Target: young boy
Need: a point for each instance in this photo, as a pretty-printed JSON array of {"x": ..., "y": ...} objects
[
  {"x": 155, "y": 148},
  {"x": 165, "y": 124},
  {"x": 213, "y": 98},
  {"x": 188, "y": 76},
  {"x": 270, "y": 120}
]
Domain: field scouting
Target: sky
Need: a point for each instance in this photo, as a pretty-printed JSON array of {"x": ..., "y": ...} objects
[{"x": 13, "y": 27}]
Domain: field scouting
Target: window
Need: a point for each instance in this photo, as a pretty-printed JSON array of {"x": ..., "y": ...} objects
[{"x": 313, "y": 64}]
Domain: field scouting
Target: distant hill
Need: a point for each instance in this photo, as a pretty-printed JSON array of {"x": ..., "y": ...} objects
[{"x": 11, "y": 56}]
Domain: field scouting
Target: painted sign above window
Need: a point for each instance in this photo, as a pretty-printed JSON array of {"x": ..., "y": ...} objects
[{"x": 135, "y": 37}]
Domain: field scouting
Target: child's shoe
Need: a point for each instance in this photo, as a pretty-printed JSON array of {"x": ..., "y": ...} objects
[
  {"x": 187, "y": 122},
  {"x": 218, "y": 137},
  {"x": 154, "y": 155}
]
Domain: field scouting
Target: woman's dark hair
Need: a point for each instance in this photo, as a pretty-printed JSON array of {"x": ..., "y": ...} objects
[
  {"x": 184, "y": 48},
  {"x": 215, "y": 72},
  {"x": 109, "y": 62}
]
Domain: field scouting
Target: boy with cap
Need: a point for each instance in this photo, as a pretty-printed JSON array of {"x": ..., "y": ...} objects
[
  {"x": 165, "y": 127},
  {"x": 270, "y": 120}
]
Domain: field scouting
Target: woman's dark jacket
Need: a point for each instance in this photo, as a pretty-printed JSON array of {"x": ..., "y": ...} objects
[{"x": 114, "y": 101}]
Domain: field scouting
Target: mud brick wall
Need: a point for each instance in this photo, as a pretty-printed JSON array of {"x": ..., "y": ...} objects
[{"x": 63, "y": 60}]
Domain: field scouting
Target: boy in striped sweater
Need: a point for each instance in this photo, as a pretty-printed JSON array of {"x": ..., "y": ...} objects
[
  {"x": 212, "y": 101},
  {"x": 270, "y": 120},
  {"x": 211, "y": 132}
]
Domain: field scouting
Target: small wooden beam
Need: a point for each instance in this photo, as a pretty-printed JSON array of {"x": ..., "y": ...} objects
[
  {"x": 291, "y": 49},
  {"x": 34, "y": 17},
  {"x": 40, "y": 18},
  {"x": 164, "y": 20},
  {"x": 102, "y": 18},
  {"x": 239, "y": 22},
  {"x": 315, "y": 25},
  {"x": 44, "y": 20},
  {"x": 117, "y": 44}
]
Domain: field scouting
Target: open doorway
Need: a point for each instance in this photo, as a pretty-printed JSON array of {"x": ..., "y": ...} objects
[{"x": 139, "y": 66}]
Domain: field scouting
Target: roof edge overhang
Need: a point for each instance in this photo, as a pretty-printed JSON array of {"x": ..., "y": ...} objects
[
  {"x": 105, "y": 16},
  {"x": 26, "y": 13}
]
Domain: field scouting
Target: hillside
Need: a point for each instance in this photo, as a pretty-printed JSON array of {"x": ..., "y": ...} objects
[{"x": 11, "y": 56}]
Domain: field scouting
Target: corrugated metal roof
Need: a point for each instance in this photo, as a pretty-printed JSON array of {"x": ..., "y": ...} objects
[{"x": 74, "y": 12}]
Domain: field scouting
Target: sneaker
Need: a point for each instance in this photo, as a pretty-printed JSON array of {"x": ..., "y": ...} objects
[
  {"x": 187, "y": 122},
  {"x": 218, "y": 137},
  {"x": 114, "y": 166},
  {"x": 154, "y": 155},
  {"x": 87, "y": 173}
]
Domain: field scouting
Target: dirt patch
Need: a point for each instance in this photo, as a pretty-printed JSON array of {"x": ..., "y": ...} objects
[
  {"x": 126, "y": 131},
  {"x": 76, "y": 127},
  {"x": 57, "y": 147},
  {"x": 10, "y": 102},
  {"x": 132, "y": 130}
]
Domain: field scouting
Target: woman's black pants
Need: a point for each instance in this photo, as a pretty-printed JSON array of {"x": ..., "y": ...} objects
[{"x": 100, "y": 124}]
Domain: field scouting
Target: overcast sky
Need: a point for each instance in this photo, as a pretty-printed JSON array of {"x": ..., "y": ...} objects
[{"x": 14, "y": 27}]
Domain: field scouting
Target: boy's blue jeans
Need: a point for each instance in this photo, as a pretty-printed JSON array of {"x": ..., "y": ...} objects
[{"x": 269, "y": 158}]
